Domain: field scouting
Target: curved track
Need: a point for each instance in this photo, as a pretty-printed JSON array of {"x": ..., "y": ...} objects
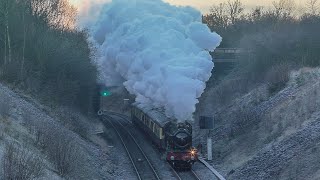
[
  {"x": 179, "y": 175},
  {"x": 139, "y": 160}
]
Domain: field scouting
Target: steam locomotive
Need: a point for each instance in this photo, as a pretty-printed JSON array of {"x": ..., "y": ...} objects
[{"x": 173, "y": 138}]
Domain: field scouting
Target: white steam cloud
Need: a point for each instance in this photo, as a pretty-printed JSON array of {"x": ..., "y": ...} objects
[{"x": 159, "y": 52}]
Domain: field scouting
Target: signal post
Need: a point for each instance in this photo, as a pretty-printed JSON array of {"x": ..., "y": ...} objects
[{"x": 206, "y": 123}]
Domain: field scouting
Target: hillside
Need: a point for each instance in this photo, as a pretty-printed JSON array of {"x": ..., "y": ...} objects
[
  {"x": 45, "y": 143},
  {"x": 268, "y": 135}
]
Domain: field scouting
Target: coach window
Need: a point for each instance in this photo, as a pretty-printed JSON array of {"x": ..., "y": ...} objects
[{"x": 157, "y": 130}]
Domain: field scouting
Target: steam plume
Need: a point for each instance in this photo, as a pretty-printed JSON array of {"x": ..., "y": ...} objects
[{"x": 157, "y": 51}]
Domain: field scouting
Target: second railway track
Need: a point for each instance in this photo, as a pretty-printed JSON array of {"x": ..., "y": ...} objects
[{"x": 138, "y": 158}]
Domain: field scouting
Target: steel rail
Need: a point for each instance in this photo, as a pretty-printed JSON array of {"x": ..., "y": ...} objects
[
  {"x": 173, "y": 170},
  {"x": 126, "y": 148},
  {"x": 188, "y": 175},
  {"x": 125, "y": 118},
  {"x": 195, "y": 174},
  {"x": 145, "y": 156}
]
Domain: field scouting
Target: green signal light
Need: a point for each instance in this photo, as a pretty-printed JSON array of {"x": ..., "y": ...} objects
[{"x": 106, "y": 93}]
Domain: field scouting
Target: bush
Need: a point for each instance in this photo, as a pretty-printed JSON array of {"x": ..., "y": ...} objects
[
  {"x": 57, "y": 144},
  {"x": 64, "y": 153},
  {"x": 20, "y": 163},
  {"x": 277, "y": 77},
  {"x": 244, "y": 119}
]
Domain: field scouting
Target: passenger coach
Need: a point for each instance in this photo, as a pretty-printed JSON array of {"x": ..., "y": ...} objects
[{"x": 172, "y": 137}]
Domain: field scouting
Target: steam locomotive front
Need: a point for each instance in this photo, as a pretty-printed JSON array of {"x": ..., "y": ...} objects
[
  {"x": 183, "y": 136},
  {"x": 180, "y": 152}
]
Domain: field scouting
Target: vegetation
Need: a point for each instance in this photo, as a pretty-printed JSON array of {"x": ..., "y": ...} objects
[
  {"x": 276, "y": 39},
  {"x": 20, "y": 163},
  {"x": 42, "y": 52}
]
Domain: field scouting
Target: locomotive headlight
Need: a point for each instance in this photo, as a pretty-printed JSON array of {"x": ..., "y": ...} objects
[{"x": 193, "y": 152}]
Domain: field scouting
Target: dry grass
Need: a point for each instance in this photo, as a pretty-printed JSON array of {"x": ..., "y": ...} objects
[
  {"x": 57, "y": 144},
  {"x": 20, "y": 163}
]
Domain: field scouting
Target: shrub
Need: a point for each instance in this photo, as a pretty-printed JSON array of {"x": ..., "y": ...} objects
[
  {"x": 243, "y": 120},
  {"x": 57, "y": 144},
  {"x": 63, "y": 152},
  {"x": 20, "y": 163},
  {"x": 277, "y": 77}
]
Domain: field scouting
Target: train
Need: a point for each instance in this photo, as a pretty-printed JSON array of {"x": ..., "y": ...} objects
[{"x": 173, "y": 138}]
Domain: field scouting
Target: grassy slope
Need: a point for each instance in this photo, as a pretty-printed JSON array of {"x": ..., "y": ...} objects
[
  {"x": 252, "y": 128},
  {"x": 33, "y": 127}
]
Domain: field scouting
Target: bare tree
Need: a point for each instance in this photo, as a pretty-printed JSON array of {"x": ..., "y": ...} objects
[
  {"x": 58, "y": 13},
  {"x": 5, "y": 8},
  {"x": 284, "y": 8},
  {"x": 235, "y": 10},
  {"x": 257, "y": 12},
  {"x": 313, "y": 6},
  {"x": 218, "y": 16},
  {"x": 224, "y": 14}
]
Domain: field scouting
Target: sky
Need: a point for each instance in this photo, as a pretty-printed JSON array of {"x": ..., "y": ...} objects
[{"x": 202, "y": 5}]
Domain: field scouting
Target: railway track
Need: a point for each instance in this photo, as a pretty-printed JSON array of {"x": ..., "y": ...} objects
[
  {"x": 190, "y": 175},
  {"x": 138, "y": 158},
  {"x": 184, "y": 175}
]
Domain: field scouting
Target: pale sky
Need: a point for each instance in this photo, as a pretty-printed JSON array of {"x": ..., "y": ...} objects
[{"x": 202, "y": 5}]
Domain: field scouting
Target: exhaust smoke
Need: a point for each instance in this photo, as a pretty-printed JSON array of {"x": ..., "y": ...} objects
[{"x": 158, "y": 51}]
